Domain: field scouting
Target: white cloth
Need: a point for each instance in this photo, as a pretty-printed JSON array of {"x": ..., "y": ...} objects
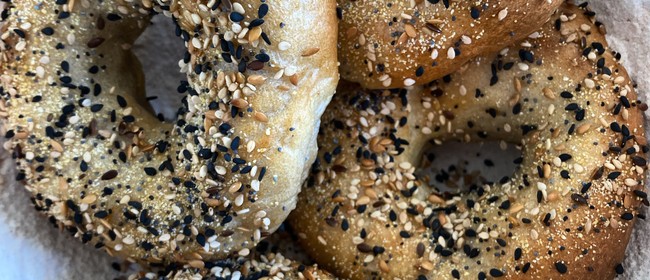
[{"x": 30, "y": 248}]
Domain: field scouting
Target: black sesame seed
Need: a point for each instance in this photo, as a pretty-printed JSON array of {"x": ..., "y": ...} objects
[
  {"x": 49, "y": 31},
  {"x": 566, "y": 94},
  {"x": 419, "y": 71},
  {"x": 234, "y": 145},
  {"x": 639, "y": 161},
  {"x": 263, "y": 57},
  {"x": 113, "y": 17},
  {"x": 517, "y": 254},
  {"x": 109, "y": 175},
  {"x": 96, "y": 108},
  {"x": 619, "y": 269},
  {"x": 150, "y": 171},
  {"x": 561, "y": 267},
  {"x": 256, "y": 22},
  {"x": 579, "y": 199},
  {"x": 613, "y": 175},
  {"x": 20, "y": 33},
  {"x": 95, "y": 42},
  {"x": 525, "y": 268},
  {"x": 627, "y": 216},
  {"x": 475, "y": 13},
  {"x": 263, "y": 10},
  {"x": 200, "y": 238},
  {"x": 101, "y": 214},
  {"x": 640, "y": 194},
  {"x": 121, "y": 101},
  {"x": 236, "y": 17},
  {"x": 565, "y": 157},
  {"x": 496, "y": 272}
]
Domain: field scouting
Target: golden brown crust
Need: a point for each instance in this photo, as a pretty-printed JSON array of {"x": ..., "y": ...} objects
[
  {"x": 568, "y": 210},
  {"x": 276, "y": 257},
  {"x": 210, "y": 185},
  {"x": 393, "y": 44},
  {"x": 258, "y": 266}
]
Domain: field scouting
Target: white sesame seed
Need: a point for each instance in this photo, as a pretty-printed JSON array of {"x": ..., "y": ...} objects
[
  {"x": 466, "y": 39},
  {"x": 196, "y": 19},
  {"x": 196, "y": 43},
  {"x": 502, "y": 14},
  {"x": 557, "y": 162},
  {"x": 283, "y": 46},
  {"x": 237, "y": 7},
  {"x": 128, "y": 240},
  {"x": 409, "y": 82},
  {"x": 434, "y": 54},
  {"x": 244, "y": 252},
  {"x": 630, "y": 182},
  {"x": 578, "y": 168},
  {"x": 255, "y": 185},
  {"x": 239, "y": 200},
  {"x": 451, "y": 53},
  {"x": 71, "y": 38},
  {"x": 165, "y": 237},
  {"x": 290, "y": 71},
  {"x": 462, "y": 90},
  {"x": 21, "y": 45},
  {"x": 40, "y": 71},
  {"x": 523, "y": 66},
  {"x": 44, "y": 60}
]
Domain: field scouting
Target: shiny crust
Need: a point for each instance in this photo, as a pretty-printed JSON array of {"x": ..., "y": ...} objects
[
  {"x": 568, "y": 210},
  {"x": 212, "y": 184},
  {"x": 392, "y": 44}
]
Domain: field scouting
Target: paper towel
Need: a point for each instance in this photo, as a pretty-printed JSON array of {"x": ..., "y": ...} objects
[{"x": 30, "y": 248}]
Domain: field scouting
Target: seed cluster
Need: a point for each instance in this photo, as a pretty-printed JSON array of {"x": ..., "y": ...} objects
[
  {"x": 212, "y": 184},
  {"x": 569, "y": 208},
  {"x": 395, "y": 44}
]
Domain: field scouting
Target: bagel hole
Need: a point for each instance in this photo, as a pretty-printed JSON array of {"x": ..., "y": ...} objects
[
  {"x": 455, "y": 167},
  {"x": 159, "y": 51}
]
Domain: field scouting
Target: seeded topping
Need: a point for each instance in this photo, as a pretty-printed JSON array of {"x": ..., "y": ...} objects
[
  {"x": 577, "y": 187},
  {"x": 212, "y": 183},
  {"x": 388, "y": 44}
]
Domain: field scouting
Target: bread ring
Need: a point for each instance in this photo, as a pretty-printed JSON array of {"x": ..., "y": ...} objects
[
  {"x": 567, "y": 211},
  {"x": 265, "y": 264},
  {"x": 276, "y": 266},
  {"x": 276, "y": 257},
  {"x": 214, "y": 183},
  {"x": 393, "y": 44}
]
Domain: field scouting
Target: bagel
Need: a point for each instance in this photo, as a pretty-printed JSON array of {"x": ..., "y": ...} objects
[
  {"x": 567, "y": 211},
  {"x": 276, "y": 257},
  {"x": 275, "y": 267},
  {"x": 266, "y": 265},
  {"x": 224, "y": 175},
  {"x": 393, "y": 44}
]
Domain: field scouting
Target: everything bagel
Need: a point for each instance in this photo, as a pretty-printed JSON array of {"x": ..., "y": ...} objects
[
  {"x": 568, "y": 209},
  {"x": 212, "y": 184},
  {"x": 393, "y": 44}
]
